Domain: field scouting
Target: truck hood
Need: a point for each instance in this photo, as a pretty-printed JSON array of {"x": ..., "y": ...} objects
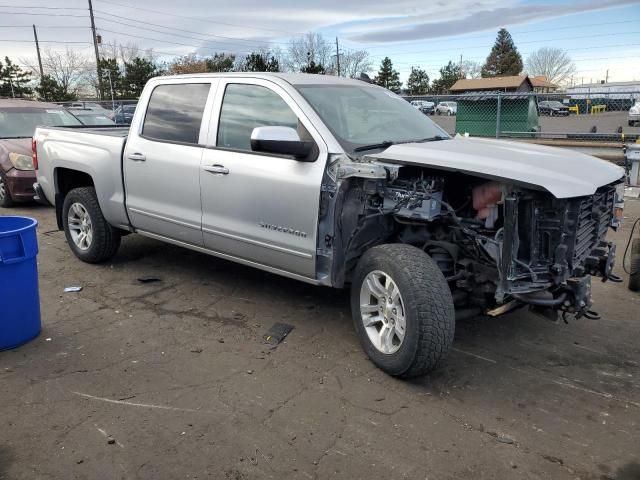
[{"x": 564, "y": 173}]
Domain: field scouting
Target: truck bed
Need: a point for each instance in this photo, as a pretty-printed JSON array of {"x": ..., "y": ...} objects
[{"x": 95, "y": 151}]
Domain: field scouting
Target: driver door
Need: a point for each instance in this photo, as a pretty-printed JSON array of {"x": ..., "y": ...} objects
[{"x": 257, "y": 207}]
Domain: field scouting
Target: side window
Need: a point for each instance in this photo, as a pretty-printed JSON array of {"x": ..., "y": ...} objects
[
  {"x": 174, "y": 113},
  {"x": 246, "y": 107}
]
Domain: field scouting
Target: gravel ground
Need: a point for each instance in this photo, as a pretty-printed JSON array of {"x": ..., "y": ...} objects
[
  {"x": 607, "y": 122},
  {"x": 171, "y": 379}
]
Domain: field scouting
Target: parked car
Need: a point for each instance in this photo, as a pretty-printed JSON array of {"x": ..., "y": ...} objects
[
  {"x": 553, "y": 108},
  {"x": 18, "y": 121},
  {"x": 424, "y": 106},
  {"x": 447, "y": 108},
  {"x": 337, "y": 182},
  {"x": 123, "y": 114},
  {"x": 91, "y": 117},
  {"x": 634, "y": 114},
  {"x": 96, "y": 107}
]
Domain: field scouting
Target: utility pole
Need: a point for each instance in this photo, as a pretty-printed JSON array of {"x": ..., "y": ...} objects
[
  {"x": 35, "y": 36},
  {"x": 606, "y": 80},
  {"x": 95, "y": 47},
  {"x": 337, "y": 56},
  {"x": 460, "y": 67}
]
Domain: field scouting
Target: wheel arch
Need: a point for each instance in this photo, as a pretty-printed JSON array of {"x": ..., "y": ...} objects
[{"x": 66, "y": 179}]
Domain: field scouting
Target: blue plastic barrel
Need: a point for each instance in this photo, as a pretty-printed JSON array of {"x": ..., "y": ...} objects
[{"x": 19, "y": 297}]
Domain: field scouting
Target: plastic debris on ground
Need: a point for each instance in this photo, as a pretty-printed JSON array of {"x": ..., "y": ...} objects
[{"x": 277, "y": 333}]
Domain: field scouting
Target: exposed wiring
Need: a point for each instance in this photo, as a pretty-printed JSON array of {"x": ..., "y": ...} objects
[{"x": 626, "y": 249}]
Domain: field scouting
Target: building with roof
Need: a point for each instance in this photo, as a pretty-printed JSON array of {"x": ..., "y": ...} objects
[
  {"x": 610, "y": 89},
  {"x": 542, "y": 85},
  {"x": 516, "y": 83}
]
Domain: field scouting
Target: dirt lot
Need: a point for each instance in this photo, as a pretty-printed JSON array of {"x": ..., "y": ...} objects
[
  {"x": 607, "y": 122},
  {"x": 176, "y": 373}
]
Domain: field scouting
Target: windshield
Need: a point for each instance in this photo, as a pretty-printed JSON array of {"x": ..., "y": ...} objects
[
  {"x": 364, "y": 115},
  {"x": 554, "y": 104},
  {"x": 22, "y": 122}
]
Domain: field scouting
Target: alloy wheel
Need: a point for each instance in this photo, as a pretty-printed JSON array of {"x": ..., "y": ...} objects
[
  {"x": 382, "y": 312},
  {"x": 80, "y": 226}
]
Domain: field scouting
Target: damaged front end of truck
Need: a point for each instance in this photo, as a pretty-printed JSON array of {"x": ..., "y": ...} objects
[{"x": 501, "y": 243}]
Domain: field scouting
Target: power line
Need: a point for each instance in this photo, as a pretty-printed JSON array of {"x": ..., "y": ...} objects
[
  {"x": 43, "y": 8},
  {"x": 233, "y": 39},
  {"x": 45, "y": 14},
  {"x": 525, "y": 42},
  {"x": 43, "y": 26},
  {"x": 198, "y": 19},
  {"x": 160, "y": 40},
  {"x": 44, "y": 41}
]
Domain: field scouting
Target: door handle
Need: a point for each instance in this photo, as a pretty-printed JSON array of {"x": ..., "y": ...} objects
[
  {"x": 137, "y": 157},
  {"x": 218, "y": 169}
]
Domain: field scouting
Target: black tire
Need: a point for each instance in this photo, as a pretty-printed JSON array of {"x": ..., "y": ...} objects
[
  {"x": 5, "y": 199},
  {"x": 427, "y": 304},
  {"x": 634, "y": 267},
  {"x": 106, "y": 239}
]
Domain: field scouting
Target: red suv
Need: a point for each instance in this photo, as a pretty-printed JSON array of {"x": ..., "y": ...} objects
[{"x": 18, "y": 121}]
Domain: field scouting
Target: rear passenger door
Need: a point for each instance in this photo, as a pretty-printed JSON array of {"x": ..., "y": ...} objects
[{"x": 162, "y": 160}]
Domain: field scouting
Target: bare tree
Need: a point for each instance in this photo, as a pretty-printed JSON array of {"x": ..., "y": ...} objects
[
  {"x": 70, "y": 69},
  {"x": 311, "y": 47},
  {"x": 353, "y": 63},
  {"x": 471, "y": 69},
  {"x": 553, "y": 63}
]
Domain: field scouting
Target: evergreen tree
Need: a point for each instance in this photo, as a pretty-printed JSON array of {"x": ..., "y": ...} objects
[
  {"x": 449, "y": 74},
  {"x": 220, "y": 62},
  {"x": 138, "y": 72},
  {"x": 388, "y": 77},
  {"x": 418, "y": 82},
  {"x": 13, "y": 80},
  {"x": 256, "y": 62},
  {"x": 313, "y": 67},
  {"x": 504, "y": 59},
  {"x": 50, "y": 90},
  {"x": 111, "y": 78}
]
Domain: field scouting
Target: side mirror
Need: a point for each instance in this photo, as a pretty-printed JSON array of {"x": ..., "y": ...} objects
[{"x": 280, "y": 140}]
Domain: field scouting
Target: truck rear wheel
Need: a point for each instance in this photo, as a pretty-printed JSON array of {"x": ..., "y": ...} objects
[
  {"x": 88, "y": 234},
  {"x": 402, "y": 310}
]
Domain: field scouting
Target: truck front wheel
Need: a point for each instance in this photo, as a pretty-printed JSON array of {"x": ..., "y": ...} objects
[
  {"x": 402, "y": 309},
  {"x": 88, "y": 234}
]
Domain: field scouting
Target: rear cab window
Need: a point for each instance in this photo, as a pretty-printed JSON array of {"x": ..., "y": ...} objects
[{"x": 174, "y": 113}]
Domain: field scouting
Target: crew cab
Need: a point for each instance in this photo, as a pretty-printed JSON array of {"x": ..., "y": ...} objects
[{"x": 337, "y": 182}]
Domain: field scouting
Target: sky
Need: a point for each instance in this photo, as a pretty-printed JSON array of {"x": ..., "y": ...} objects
[{"x": 599, "y": 35}]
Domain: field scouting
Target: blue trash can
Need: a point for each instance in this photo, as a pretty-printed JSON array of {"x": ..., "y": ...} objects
[{"x": 19, "y": 297}]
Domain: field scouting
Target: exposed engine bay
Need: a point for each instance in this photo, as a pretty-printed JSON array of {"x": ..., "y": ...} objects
[{"x": 499, "y": 245}]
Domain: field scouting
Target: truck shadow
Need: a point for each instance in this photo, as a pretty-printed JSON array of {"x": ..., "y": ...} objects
[{"x": 516, "y": 340}]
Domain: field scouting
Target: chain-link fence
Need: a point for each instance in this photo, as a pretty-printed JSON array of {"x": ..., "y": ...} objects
[{"x": 584, "y": 116}]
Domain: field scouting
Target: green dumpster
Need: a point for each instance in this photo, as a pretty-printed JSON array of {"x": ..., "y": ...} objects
[{"x": 478, "y": 114}]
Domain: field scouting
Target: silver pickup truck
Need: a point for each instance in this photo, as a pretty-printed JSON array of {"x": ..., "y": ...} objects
[{"x": 338, "y": 182}]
